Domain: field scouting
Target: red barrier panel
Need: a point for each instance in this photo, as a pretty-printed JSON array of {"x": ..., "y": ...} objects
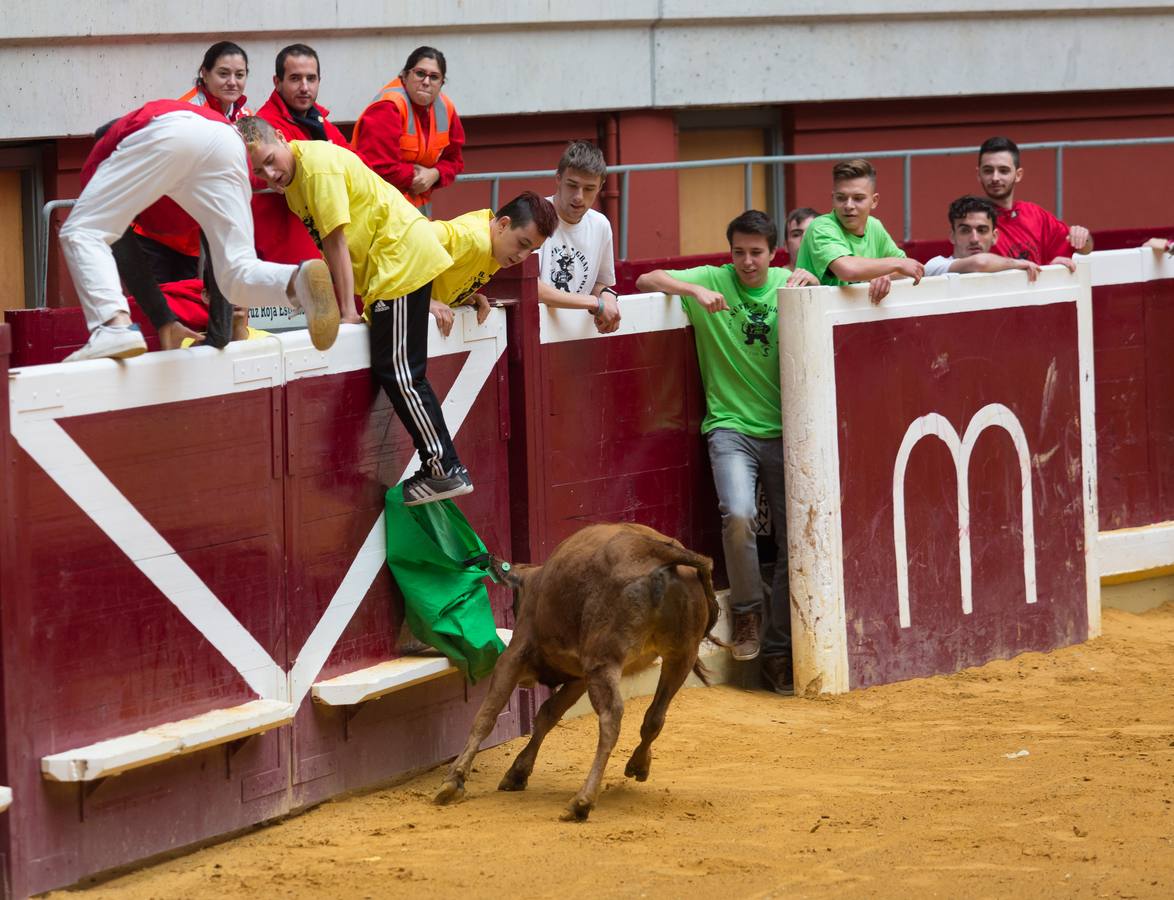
[
  {"x": 940, "y": 473},
  {"x": 197, "y": 538},
  {"x": 1132, "y": 325},
  {"x": 614, "y": 425}
]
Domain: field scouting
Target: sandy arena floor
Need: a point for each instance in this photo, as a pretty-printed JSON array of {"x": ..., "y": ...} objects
[{"x": 902, "y": 791}]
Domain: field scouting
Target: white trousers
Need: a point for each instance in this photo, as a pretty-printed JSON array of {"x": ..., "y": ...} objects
[{"x": 198, "y": 163}]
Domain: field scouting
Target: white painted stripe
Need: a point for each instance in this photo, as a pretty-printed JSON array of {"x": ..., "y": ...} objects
[
  {"x": 411, "y": 398},
  {"x": 991, "y": 415},
  {"x": 1130, "y": 550},
  {"x": 83, "y": 482},
  {"x": 639, "y": 314},
  {"x": 1088, "y": 449},
  {"x": 474, "y": 374}
]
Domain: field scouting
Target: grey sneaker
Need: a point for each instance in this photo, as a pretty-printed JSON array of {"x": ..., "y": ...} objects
[
  {"x": 111, "y": 342},
  {"x": 745, "y": 639},
  {"x": 423, "y": 488},
  {"x": 314, "y": 294}
]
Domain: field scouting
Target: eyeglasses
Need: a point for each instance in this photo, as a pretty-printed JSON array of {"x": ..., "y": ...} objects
[{"x": 422, "y": 75}]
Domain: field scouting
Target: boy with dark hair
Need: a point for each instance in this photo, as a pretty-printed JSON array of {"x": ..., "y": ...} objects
[
  {"x": 480, "y": 243},
  {"x": 848, "y": 245},
  {"x": 1026, "y": 231},
  {"x": 576, "y": 267},
  {"x": 973, "y": 233},
  {"x": 734, "y": 312},
  {"x": 794, "y": 230},
  {"x": 379, "y": 246}
]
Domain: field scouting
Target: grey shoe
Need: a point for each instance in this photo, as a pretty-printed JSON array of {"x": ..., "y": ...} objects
[
  {"x": 111, "y": 342},
  {"x": 423, "y": 488},
  {"x": 744, "y": 644}
]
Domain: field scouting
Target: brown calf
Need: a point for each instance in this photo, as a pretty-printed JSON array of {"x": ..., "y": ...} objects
[{"x": 609, "y": 601}]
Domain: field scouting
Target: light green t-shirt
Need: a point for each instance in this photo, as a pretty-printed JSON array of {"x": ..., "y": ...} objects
[
  {"x": 738, "y": 351},
  {"x": 826, "y": 241}
]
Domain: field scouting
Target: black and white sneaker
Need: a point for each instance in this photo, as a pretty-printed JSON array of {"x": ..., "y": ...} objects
[{"x": 424, "y": 488}]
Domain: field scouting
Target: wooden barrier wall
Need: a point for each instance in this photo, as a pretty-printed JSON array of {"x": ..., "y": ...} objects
[{"x": 201, "y": 530}]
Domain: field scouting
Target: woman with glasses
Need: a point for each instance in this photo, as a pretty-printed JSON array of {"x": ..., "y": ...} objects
[{"x": 410, "y": 134}]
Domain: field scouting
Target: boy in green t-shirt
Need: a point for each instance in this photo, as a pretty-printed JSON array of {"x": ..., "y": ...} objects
[
  {"x": 847, "y": 245},
  {"x": 734, "y": 313}
]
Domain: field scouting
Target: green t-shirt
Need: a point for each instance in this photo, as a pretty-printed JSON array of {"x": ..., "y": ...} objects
[
  {"x": 738, "y": 351},
  {"x": 826, "y": 241}
]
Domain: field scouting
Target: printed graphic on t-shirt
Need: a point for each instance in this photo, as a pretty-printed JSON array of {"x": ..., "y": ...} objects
[
  {"x": 749, "y": 323},
  {"x": 569, "y": 268},
  {"x": 477, "y": 282},
  {"x": 308, "y": 221}
]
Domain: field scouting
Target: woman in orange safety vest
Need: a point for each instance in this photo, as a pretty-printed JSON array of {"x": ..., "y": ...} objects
[{"x": 410, "y": 133}]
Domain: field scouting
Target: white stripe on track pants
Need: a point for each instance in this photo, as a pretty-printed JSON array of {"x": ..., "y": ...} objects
[{"x": 399, "y": 362}]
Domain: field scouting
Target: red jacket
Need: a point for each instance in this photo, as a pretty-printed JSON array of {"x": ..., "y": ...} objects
[
  {"x": 277, "y": 113},
  {"x": 379, "y": 140}
]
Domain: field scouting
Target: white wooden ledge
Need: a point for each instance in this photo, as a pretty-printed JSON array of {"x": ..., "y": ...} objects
[
  {"x": 5, "y": 798},
  {"x": 385, "y": 677},
  {"x": 131, "y": 751}
]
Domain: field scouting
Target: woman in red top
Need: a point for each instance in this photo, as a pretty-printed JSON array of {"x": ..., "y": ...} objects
[
  {"x": 165, "y": 245},
  {"x": 220, "y": 82},
  {"x": 410, "y": 134}
]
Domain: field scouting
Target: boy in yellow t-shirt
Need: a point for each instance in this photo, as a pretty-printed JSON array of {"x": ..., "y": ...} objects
[
  {"x": 378, "y": 246},
  {"x": 480, "y": 243}
]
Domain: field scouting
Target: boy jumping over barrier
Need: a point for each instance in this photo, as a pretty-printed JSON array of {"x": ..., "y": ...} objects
[
  {"x": 480, "y": 243},
  {"x": 192, "y": 155},
  {"x": 379, "y": 246}
]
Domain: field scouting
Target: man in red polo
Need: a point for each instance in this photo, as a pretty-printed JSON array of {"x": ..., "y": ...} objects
[
  {"x": 293, "y": 107},
  {"x": 1026, "y": 231}
]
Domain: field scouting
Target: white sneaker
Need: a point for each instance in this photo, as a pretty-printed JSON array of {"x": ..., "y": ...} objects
[
  {"x": 314, "y": 293},
  {"x": 111, "y": 342}
]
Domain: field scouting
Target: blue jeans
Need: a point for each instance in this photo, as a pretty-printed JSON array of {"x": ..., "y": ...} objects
[{"x": 738, "y": 460}]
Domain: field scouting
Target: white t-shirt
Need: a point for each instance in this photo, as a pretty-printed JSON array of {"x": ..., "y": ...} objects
[
  {"x": 577, "y": 257},
  {"x": 939, "y": 265}
]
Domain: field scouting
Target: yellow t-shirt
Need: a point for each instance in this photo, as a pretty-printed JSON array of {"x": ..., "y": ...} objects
[
  {"x": 393, "y": 250},
  {"x": 466, "y": 238}
]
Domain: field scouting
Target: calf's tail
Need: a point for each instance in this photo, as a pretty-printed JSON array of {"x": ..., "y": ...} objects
[{"x": 671, "y": 554}]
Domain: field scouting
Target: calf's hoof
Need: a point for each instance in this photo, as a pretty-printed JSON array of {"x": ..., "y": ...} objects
[
  {"x": 449, "y": 791},
  {"x": 637, "y": 768},
  {"x": 513, "y": 781},
  {"x": 577, "y": 811}
]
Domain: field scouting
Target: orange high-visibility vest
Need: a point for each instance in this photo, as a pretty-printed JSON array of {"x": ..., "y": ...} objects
[{"x": 413, "y": 146}]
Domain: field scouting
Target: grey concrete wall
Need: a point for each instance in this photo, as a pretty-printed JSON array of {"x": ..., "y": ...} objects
[{"x": 68, "y": 66}]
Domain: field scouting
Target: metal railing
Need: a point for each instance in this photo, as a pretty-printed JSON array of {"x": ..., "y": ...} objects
[{"x": 747, "y": 162}]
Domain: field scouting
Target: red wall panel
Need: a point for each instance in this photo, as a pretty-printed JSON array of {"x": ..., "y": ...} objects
[{"x": 888, "y": 374}]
